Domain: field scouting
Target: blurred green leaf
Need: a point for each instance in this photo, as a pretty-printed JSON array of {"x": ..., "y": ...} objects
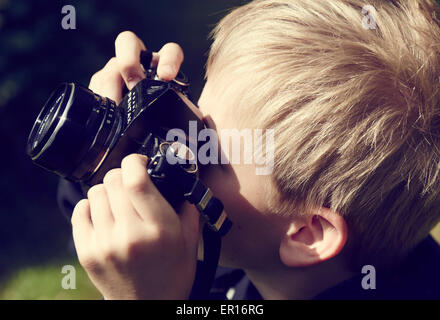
[{"x": 44, "y": 282}]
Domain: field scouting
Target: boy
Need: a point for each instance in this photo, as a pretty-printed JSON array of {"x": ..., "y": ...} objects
[{"x": 355, "y": 106}]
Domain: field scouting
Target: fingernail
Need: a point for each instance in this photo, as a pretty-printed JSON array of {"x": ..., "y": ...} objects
[{"x": 168, "y": 70}]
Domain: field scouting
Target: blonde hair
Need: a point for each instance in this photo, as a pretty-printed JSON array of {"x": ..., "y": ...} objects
[{"x": 356, "y": 111}]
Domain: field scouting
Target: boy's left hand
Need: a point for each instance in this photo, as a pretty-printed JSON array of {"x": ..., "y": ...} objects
[{"x": 130, "y": 240}]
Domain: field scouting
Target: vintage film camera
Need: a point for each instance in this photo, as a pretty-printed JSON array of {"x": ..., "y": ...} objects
[{"x": 80, "y": 136}]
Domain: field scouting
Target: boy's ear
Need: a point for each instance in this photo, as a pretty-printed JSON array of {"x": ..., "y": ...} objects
[{"x": 313, "y": 239}]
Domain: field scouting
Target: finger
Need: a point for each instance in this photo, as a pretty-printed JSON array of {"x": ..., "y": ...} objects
[
  {"x": 155, "y": 60},
  {"x": 171, "y": 57},
  {"x": 189, "y": 220},
  {"x": 82, "y": 227},
  {"x": 108, "y": 81},
  {"x": 128, "y": 47},
  {"x": 101, "y": 213},
  {"x": 143, "y": 47},
  {"x": 119, "y": 203},
  {"x": 143, "y": 194}
]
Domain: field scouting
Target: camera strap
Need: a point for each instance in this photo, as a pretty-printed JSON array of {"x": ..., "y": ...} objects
[
  {"x": 217, "y": 224},
  {"x": 206, "y": 269}
]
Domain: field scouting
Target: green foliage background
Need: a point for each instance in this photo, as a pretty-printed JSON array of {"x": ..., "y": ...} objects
[{"x": 35, "y": 55}]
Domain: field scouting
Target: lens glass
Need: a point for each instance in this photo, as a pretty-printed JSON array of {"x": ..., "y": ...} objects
[{"x": 45, "y": 122}]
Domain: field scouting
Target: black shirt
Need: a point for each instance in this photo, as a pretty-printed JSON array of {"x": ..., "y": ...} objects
[{"x": 418, "y": 277}]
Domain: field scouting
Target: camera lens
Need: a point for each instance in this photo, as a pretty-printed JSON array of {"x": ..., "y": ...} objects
[
  {"x": 73, "y": 132},
  {"x": 48, "y": 119}
]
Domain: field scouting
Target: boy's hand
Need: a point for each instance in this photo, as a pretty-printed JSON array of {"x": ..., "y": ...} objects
[
  {"x": 125, "y": 68},
  {"x": 128, "y": 238}
]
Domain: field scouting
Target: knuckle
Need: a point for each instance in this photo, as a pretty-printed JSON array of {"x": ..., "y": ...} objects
[
  {"x": 113, "y": 77},
  {"x": 154, "y": 234},
  {"x": 110, "y": 255},
  {"x": 95, "y": 190},
  {"x": 158, "y": 236},
  {"x": 135, "y": 247},
  {"x": 95, "y": 78},
  {"x": 111, "y": 69},
  {"x": 132, "y": 248},
  {"x": 136, "y": 184},
  {"x": 129, "y": 69},
  {"x": 110, "y": 66},
  {"x": 78, "y": 211},
  {"x": 136, "y": 244},
  {"x": 126, "y": 67},
  {"x": 89, "y": 262},
  {"x": 112, "y": 62},
  {"x": 108, "y": 73},
  {"x": 161, "y": 239},
  {"x": 152, "y": 241},
  {"x": 113, "y": 176}
]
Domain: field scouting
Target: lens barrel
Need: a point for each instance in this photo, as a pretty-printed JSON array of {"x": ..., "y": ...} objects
[{"x": 73, "y": 132}]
